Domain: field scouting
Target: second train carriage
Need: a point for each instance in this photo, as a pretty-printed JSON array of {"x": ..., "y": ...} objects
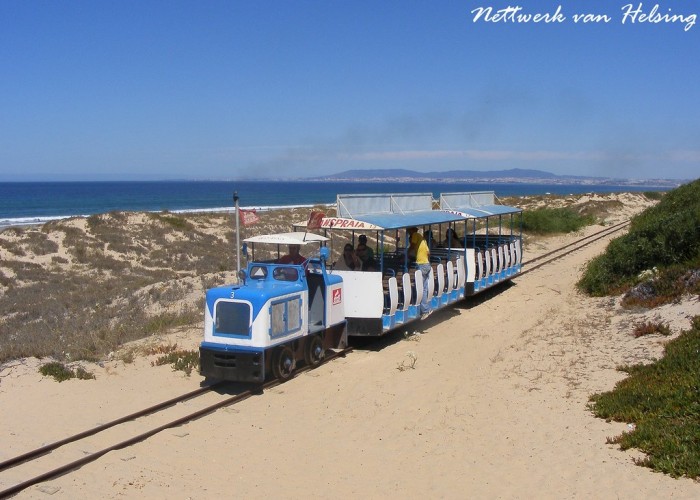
[
  {"x": 488, "y": 252},
  {"x": 490, "y": 257}
]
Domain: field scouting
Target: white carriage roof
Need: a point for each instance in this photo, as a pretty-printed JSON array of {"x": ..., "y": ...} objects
[
  {"x": 376, "y": 212},
  {"x": 354, "y": 206},
  {"x": 386, "y": 211},
  {"x": 296, "y": 238},
  {"x": 475, "y": 205}
]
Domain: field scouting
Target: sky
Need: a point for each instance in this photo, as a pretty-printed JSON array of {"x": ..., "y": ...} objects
[{"x": 250, "y": 89}]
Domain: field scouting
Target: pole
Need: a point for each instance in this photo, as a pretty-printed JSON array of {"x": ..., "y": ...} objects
[{"x": 238, "y": 234}]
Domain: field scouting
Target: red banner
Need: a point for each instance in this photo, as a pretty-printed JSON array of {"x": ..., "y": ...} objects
[
  {"x": 248, "y": 217},
  {"x": 315, "y": 219}
]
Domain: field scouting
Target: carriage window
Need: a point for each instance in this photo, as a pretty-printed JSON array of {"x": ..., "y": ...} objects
[{"x": 232, "y": 318}]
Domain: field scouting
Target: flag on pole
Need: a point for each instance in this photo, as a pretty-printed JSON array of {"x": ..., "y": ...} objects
[
  {"x": 248, "y": 217},
  {"x": 315, "y": 219}
]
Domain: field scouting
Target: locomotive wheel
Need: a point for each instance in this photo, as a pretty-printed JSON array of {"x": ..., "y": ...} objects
[
  {"x": 314, "y": 353},
  {"x": 283, "y": 363}
]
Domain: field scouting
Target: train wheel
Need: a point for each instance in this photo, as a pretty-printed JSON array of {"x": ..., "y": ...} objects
[
  {"x": 314, "y": 353},
  {"x": 283, "y": 363}
]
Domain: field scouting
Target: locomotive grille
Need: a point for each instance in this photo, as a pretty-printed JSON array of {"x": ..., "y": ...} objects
[{"x": 230, "y": 360}]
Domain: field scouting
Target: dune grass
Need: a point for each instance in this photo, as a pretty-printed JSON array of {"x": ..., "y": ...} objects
[
  {"x": 80, "y": 288},
  {"x": 554, "y": 220}
]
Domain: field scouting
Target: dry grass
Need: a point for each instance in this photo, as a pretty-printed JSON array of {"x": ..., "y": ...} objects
[{"x": 80, "y": 288}]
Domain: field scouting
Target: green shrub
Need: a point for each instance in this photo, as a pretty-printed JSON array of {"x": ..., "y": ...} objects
[
  {"x": 177, "y": 222},
  {"x": 653, "y": 195},
  {"x": 61, "y": 372},
  {"x": 663, "y": 401},
  {"x": 662, "y": 236},
  {"x": 554, "y": 220},
  {"x": 185, "y": 361}
]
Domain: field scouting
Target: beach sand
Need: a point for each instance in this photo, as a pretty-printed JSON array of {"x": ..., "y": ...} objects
[{"x": 495, "y": 406}]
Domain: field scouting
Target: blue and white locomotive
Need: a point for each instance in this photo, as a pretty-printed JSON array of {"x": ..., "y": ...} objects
[
  {"x": 277, "y": 315},
  {"x": 283, "y": 313}
]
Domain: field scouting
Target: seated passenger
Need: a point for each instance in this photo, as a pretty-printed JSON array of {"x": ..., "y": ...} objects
[
  {"x": 349, "y": 261},
  {"x": 430, "y": 240},
  {"x": 370, "y": 265},
  {"x": 369, "y": 253},
  {"x": 365, "y": 254},
  {"x": 293, "y": 257},
  {"x": 451, "y": 239}
]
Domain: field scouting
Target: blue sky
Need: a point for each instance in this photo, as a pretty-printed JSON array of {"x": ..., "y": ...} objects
[{"x": 149, "y": 90}]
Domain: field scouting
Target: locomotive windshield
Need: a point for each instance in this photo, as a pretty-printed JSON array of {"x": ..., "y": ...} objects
[{"x": 232, "y": 318}]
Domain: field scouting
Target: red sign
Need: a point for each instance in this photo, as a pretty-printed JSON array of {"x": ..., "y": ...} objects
[
  {"x": 248, "y": 217},
  {"x": 337, "y": 296},
  {"x": 315, "y": 219}
]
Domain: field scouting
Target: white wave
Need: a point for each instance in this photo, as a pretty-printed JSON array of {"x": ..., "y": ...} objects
[{"x": 33, "y": 221}]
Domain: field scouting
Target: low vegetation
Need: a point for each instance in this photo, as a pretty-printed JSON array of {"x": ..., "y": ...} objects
[
  {"x": 61, "y": 372},
  {"x": 181, "y": 360},
  {"x": 666, "y": 237},
  {"x": 650, "y": 328},
  {"x": 555, "y": 220},
  {"x": 656, "y": 262},
  {"x": 663, "y": 401}
]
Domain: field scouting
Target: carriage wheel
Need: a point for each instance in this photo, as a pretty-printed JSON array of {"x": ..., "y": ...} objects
[
  {"x": 283, "y": 363},
  {"x": 314, "y": 353}
]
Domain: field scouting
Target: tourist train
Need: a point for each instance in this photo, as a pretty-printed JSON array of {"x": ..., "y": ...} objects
[{"x": 287, "y": 310}]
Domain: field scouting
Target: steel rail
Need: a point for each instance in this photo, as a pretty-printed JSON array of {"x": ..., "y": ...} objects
[
  {"x": 607, "y": 230},
  {"x": 64, "y": 469},
  {"x": 15, "y": 461},
  {"x": 595, "y": 237}
]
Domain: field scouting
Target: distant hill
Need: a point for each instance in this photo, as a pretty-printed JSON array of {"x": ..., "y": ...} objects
[
  {"x": 449, "y": 174},
  {"x": 513, "y": 175}
]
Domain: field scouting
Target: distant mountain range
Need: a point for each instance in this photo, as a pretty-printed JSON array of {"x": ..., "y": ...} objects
[{"x": 514, "y": 175}]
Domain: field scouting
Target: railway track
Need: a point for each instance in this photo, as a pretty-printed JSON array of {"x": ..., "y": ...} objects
[
  {"x": 23, "y": 471},
  {"x": 544, "y": 259},
  {"x": 26, "y": 464}
]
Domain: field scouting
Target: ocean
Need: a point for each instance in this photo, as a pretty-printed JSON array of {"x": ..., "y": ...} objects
[{"x": 24, "y": 203}]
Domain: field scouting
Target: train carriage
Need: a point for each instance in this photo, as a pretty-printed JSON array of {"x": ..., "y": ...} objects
[
  {"x": 382, "y": 300},
  {"x": 490, "y": 258},
  {"x": 388, "y": 296}
]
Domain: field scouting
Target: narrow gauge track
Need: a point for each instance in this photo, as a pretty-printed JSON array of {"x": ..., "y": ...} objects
[
  {"x": 571, "y": 247},
  {"x": 33, "y": 455},
  {"x": 36, "y": 454}
]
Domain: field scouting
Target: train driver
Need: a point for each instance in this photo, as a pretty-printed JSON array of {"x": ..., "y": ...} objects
[{"x": 293, "y": 257}]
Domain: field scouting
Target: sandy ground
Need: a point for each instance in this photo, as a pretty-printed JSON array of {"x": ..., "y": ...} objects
[{"x": 495, "y": 406}]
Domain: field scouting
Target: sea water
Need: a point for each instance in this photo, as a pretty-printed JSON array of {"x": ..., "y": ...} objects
[{"x": 38, "y": 202}]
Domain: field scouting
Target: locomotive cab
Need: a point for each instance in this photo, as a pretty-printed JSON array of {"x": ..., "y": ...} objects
[{"x": 278, "y": 315}]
